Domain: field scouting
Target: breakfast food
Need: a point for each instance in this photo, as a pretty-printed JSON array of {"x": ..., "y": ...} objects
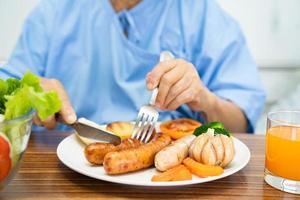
[
  {"x": 211, "y": 148},
  {"x": 197, "y": 149},
  {"x": 122, "y": 129},
  {"x": 95, "y": 152},
  {"x": 173, "y": 154},
  {"x": 134, "y": 159},
  {"x": 179, "y": 127},
  {"x": 5, "y": 157},
  {"x": 202, "y": 170},
  {"x": 178, "y": 173}
]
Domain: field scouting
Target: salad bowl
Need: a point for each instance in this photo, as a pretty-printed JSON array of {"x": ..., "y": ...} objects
[
  {"x": 14, "y": 136},
  {"x": 20, "y": 99}
]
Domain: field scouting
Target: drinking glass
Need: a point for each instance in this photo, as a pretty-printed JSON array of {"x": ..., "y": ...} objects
[{"x": 282, "y": 163}]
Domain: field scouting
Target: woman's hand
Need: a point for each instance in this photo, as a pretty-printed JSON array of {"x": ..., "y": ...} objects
[
  {"x": 66, "y": 112},
  {"x": 179, "y": 83}
]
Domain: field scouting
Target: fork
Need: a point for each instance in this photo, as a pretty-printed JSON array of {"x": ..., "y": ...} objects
[{"x": 148, "y": 114}]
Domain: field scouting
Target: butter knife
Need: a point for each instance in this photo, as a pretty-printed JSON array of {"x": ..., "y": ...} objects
[{"x": 92, "y": 130}]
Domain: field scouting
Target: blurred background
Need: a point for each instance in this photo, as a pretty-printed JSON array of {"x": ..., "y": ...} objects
[{"x": 271, "y": 27}]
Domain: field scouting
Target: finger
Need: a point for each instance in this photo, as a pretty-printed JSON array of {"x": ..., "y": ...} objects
[
  {"x": 178, "y": 88},
  {"x": 36, "y": 120},
  {"x": 153, "y": 77},
  {"x": 49, "y": 123},
  {"x": 167, "y": 81},
  {"x": 67, "y": 112},
  {"x": 181, "y": 99}
]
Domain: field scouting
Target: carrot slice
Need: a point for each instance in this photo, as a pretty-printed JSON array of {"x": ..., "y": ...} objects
[
  {"x": 202, "y": 170},
  {"x": 183, "y": 175},
  {"x": 178, "y": 173}
]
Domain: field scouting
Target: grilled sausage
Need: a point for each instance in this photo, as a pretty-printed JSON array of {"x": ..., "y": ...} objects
[
  {"x": 95, "y": 152},
  {"x": 134, "y": 159},
  {"x": 173, "y": 154}
]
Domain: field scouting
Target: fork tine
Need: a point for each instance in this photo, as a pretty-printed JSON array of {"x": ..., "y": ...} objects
[
  {"x": 146, "y": 128},
  {"x": 150, "y": 132},
  {"x": 141, "y": 128},
  {"x": 136, "y": 125},
  {"x": 145, "y": 123}
]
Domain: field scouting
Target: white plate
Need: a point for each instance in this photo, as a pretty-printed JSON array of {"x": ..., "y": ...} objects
[{"x": 70, "y": 152}]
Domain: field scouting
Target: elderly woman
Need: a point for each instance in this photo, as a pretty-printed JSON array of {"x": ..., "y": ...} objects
[{"x": 102, "y": 56}]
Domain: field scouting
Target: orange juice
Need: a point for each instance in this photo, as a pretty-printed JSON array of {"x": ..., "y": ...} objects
[{"x": 283, "y": 152}]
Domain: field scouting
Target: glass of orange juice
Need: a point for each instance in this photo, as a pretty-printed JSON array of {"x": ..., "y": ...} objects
[{"x": 282, "y": 163}]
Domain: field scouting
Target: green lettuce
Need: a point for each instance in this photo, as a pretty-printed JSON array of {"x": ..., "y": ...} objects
[{"x": 18, "y": 97}]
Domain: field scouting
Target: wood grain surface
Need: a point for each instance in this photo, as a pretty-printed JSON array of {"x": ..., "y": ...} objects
[{"x": 43, "y": 176}]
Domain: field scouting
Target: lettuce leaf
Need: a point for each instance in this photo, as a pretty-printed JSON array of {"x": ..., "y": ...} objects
[
  {"x": 21, "y": 96},
  {"x": 3, "y": 90},
  {"x": 30, "y": 79},
  {"x": 13, "y": 85},
  {"x": 45, "y": 103}
]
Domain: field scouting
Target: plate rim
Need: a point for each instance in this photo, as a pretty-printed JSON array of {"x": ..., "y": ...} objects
[{"x": 69, "y": 164}]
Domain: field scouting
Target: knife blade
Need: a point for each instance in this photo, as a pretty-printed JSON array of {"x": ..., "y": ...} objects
[{"x": 91, "y": 130}]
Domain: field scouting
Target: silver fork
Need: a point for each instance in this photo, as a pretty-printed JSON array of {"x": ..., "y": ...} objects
[{"x": 148, "y": 114}]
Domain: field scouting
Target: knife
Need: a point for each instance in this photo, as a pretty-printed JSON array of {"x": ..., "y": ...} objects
[{"x": 92, "y": 130}]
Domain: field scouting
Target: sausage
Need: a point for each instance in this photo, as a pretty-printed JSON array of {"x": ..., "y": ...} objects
[
  {"x": 173, "y": 154},
  {"x": 95, "y": 152},
  {"x": 134, "y": 159}
]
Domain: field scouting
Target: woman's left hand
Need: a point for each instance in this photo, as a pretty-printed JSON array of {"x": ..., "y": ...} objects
[{"x": 178, "y": 83}]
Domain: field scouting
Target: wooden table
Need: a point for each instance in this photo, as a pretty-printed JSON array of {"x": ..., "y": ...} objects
[{"x": 43, "y": 176}]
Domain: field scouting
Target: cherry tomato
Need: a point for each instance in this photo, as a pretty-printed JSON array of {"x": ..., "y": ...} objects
[{"x": 5, "y": 160}]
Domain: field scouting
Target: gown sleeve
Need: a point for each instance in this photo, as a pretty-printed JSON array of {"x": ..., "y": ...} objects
[{"x": 224, "y": 62}]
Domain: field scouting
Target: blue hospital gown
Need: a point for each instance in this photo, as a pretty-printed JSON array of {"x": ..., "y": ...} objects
[{"x": 82, "y": 44}]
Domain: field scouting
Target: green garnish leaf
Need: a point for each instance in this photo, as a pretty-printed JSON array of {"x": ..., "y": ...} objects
[
  {"x": 222, "y": 131},
  {"x": 217, "y": 126}
]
